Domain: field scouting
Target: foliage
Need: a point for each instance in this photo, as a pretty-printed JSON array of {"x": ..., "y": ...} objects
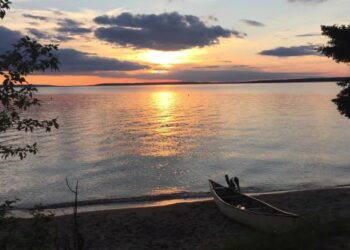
[
  {"x": 40, "y": 235},
  {"x": 16, "y": 95},
  {"x": 42, "y": 231},
  {"x": 311, "y": 234},
  {"x": 343, "y": 98},
  {"x": 338, "y": 48},
  {"x": 4, "y": 5},
  {"x": 27, "y": 56},
  {"x": 37, "y": 233},
  {"x": 5, "y": 208},
  {"x": 7, "y": 224}
]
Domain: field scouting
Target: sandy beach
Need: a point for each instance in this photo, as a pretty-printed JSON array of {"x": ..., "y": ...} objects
[{"x": 197, "y": 225}]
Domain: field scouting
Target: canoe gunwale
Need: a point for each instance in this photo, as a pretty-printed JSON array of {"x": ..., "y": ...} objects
[{"x": 280, "y": 214}]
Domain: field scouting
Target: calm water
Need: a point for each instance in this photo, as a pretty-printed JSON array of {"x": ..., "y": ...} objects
[{"x": 150, "y": 140}]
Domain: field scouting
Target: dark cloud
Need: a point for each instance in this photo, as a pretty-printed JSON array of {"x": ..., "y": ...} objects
[
  {"x": 224, "y": 75},
  {"x": 47, "y": 36},
  {"x": 225, "y": 67},
  {"x": 172, "y": 1},
  {"x": 72, "y": 27},
  {"x": 207, "y": 67},
  {"x": 73, "y": 61},
  {"x": 58, "y": 13},
  {"x": 167, "y": 31},
  {"x": 210, "y": 18},
  {"x": 38, "y": 34},
  {"x": 253, "y": 23},
  {"x": 307, "y": 1},
  {"x": 308, "y": 34},
  {"x": 41, "y": 18},
  {"x": 304, "y": 50},
  {"x": 231, "y": 75},
  {"x": 66, "y": 30},
  {"x": 33, "y": 23},
  {"x": 8, "y": 37}
]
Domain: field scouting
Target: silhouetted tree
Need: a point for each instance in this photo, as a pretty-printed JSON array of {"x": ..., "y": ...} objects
[
  {"x": 338, "y": 48},
  {"x": 16, "y": 95},
  {"x": 4, "y": 5}
]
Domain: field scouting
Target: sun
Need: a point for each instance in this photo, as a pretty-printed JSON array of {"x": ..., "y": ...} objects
[
  {"x": 165, "y": 58},
  {"x": 168, "y": 58}
]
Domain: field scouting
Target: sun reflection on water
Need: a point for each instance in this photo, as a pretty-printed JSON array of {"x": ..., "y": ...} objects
[
  {"x": 164, "y": 103},
  {"x": 164, "y": 100}
]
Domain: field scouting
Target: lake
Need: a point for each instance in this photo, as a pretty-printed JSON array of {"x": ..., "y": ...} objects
[{"x": 151, "y": 140}]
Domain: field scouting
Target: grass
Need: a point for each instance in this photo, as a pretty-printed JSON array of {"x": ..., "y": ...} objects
[{"x": 311, "y": 234}]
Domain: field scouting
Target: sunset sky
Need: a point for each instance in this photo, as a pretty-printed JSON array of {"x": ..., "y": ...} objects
[{"x": 178, "y": 40}]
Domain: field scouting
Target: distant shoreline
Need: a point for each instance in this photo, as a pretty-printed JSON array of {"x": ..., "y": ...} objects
[{"x": 295, "y": 80}]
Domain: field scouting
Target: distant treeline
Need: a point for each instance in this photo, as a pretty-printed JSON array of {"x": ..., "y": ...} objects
[
  {"x": 316, "y": 79},
  {"x": 296, "y": 80}
]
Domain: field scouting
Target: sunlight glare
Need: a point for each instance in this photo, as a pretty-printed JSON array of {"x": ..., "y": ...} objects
[
  {"x": 164, "y": 100},
  {"x": 167, "y": 58}
]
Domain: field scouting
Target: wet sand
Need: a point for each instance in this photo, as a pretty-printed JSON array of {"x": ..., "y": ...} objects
[{"x": 196, "y": 225}]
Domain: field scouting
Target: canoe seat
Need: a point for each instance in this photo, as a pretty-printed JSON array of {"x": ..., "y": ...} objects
[
  {"x": 266, "y": 210},
  {"x": 229, "y": 196}
]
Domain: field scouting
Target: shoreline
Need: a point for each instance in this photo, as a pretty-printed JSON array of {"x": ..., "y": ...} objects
[
  {"x": 278, "y": 197},
  {"x": 149, "y": 201}
]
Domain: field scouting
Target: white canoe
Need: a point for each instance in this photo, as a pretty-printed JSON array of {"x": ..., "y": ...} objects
[{"x": 251, "y": 211}]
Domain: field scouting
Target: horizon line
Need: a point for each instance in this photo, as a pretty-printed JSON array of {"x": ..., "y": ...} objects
[{"x": 292, "y": 80}]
